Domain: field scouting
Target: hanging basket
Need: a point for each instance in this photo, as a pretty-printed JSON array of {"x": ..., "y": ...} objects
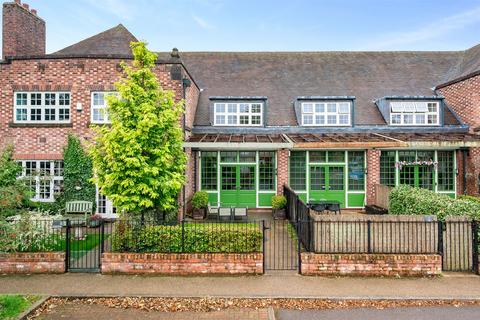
[{"x": 401, "y": 164}]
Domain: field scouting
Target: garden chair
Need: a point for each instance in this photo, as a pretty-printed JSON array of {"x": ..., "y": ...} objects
[
  {"x": 240, "y": 213},
  {"x": 225, "y": 213},
  {"x": 213, "y": 211}
]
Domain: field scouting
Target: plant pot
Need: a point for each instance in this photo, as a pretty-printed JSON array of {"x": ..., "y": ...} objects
[
  {"x": 199, "y": 214},
  {"x": 279, "y": 214}
]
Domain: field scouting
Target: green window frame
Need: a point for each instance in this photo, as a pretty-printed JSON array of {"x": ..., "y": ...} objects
[
  {"x": 209, "y": 170},
  {"x": 266, "y": 170},
  {"x": 298, "y": 170},
  {"x": 356, "y": 171},
  {"x": 387, "y": 168},
  {"x": 446, "y": 170}
]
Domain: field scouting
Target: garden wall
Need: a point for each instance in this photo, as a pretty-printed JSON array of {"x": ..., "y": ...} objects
[
  {"x": 390, "y": 265},
  {"x": 182, "y": 263},
  {"x": 37, "y": 262}
]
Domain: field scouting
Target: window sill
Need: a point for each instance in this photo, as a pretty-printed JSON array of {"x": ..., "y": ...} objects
[{"x": 40, "y": 125}]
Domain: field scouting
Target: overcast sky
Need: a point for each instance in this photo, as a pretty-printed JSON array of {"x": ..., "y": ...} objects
[{"x": 270, "y": 25}]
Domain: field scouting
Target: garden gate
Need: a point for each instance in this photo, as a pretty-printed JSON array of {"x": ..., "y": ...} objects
[{"x": 84, "y": 245}]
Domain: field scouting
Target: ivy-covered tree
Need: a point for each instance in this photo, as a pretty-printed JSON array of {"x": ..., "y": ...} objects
[
  {"x": 77, "y": 173},
  {"x": 139, "y": 161}
]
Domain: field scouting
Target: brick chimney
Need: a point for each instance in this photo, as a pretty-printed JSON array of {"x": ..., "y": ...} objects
[{"x": 23, "y": 31}]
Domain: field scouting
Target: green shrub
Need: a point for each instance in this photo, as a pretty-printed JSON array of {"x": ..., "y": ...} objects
[
  {"x": 416, "y": 201},
  {"x": 200, "y": 200},
  {"x": 279, "y": 202},
  {"x": 219, "y": 237},
  {"x": 469, "y": 198}
]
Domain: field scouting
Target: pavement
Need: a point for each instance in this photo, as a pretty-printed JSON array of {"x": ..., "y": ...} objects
[
  {"x": 407, "y": 313},
  {"x": 273, "y": 285}
]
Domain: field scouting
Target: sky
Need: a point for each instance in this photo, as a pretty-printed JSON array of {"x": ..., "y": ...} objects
[{"x": 269, "y": 25}]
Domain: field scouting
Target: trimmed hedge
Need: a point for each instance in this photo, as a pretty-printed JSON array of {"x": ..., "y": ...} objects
[
  {"x": 198, "y": 238},
  {"x": 416, "y": 201}
]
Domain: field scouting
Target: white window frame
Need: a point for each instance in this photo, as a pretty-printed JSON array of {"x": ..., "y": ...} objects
[
  {"x": 413, "y": 110},
  {"x": 104, "y": 204},
  {"x": 101, "y": 108},
  {"x": 51, "y": 177},
  {"x": 326, "y": 113},
  {"x": 42, "y": 107},
  {"x": 238, "y": 114}
]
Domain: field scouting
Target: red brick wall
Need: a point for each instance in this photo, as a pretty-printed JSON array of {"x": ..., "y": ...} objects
[
  {"x": 464, "y": 98},
  {"x": 473, "y": 171},
  {"x": 373, "y": 175},
  {"x": 282, "y": 169},
  {"x": 408, "y": 265},
  {"x": 23, "y": 31},
  {"x": 182, "y": 263},
  {"x": 38, "y": 262}
]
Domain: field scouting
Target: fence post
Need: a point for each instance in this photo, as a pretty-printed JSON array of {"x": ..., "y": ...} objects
[
  {"x": 263, "y": 245},
  {"x": 440, "y": 238},
  {"x": 369, "y": 236},
  {"x": 183, "y": 235},
  {"x": 102, "y": 236},
  {"x": 299, "y": 248},
  {"x": 475, "y": 252},
  {"x": 67, "y": 245}
]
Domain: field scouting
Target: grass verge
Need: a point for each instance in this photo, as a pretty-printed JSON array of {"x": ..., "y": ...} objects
[{"x": 13, "y": 305}]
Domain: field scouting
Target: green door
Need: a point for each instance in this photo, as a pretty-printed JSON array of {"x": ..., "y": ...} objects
[
  {"x": 238, "y": 186},
  {"x": 327, "y": 183},
  {"x": 418, "y": 176}
]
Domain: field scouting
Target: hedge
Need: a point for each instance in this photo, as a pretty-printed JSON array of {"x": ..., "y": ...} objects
[
  {"x": 416, "y": 201},
  {"x": 198, "y": 238}
]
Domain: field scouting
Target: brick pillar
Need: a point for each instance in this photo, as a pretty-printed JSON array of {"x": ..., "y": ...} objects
[
  {"x": 459, "y": 155},
  {"x": 282, "y": 169},
  {"x": 373, "y": 175},
  {"x": 473, "y": 171}
]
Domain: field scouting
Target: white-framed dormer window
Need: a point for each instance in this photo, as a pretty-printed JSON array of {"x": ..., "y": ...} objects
[
  {"x": 326, "y": 113},
  {"x": 99, "y": 112},
  {"x": 43, "y": 177},
  {"x": 41, "y": 107},
  {"x": 414, "y": 113},
  {"x": 238, "y": 114}
]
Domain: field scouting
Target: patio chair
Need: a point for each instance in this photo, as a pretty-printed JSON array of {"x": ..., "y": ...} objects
[
  {"x": 213, "y": 211},
  {"x": 225, "y": 213},
  {"x": 240, "y": 213}
]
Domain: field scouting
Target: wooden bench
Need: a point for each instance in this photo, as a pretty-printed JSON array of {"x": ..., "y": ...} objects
[{"x": 77, "y": 207}]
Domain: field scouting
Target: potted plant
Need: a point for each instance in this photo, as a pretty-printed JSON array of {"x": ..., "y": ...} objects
[
  {"x": 278, "y": 206},
  {"x": 94, "y": 221},
  {"x": 199, "y": 204}
]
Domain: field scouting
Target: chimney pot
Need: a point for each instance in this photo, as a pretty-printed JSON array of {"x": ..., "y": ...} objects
[
  {"x": 174, "y": 53},
  {"x": 26, "y": 6},
  {"x": 34, "y": 11}
]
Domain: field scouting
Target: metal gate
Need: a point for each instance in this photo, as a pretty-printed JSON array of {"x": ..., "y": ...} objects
[
  {"x": 281, "y": 250},
  {"x": 84, "y": 245}
]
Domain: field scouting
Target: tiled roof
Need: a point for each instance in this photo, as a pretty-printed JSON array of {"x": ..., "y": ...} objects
[{"x": 238, "y": 138}]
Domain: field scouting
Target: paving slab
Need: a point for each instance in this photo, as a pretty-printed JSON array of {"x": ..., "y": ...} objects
[{"x": 281, "y": 285}]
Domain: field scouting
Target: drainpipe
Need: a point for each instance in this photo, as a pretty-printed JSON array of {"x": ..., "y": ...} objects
[
  {"x": 464, "y": 168},
  {"x": 185, "y": 84}
]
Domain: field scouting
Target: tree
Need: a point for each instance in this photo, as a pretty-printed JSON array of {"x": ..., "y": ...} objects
[
  {"x": 138, "y": 161},
  {"x": 13, "y": 192},
  {"x": 78, "y": 173}
]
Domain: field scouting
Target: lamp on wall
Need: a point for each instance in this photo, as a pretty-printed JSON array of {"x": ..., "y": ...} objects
[{"x": 79, "y": 106}]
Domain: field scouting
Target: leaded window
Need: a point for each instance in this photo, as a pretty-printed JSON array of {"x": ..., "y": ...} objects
[
  {"x": 356, "y": 170},
  {"x": 209, "y": 170},
  {"x": 413, "y": 113},
  {"x": 326, "y": 113},
  {"x": 99, "y": 112},
  {"x": 42, "y": 107},
  {"x": 446, "y": 171},
  {"x": 387, "y": 168},
  {"x": 298, "y": 170},
  {"x": 266, "y": 170}
]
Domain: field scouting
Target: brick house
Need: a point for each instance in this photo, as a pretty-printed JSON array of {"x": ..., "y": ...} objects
[{"x": 332, "y": 125}]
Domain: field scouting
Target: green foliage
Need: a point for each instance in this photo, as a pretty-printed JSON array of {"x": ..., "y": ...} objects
[
  {"x": 30, "y": 233},
  {"x": 200, "y": 200},
  {"x": 12, "y": 305},
  {"x": 13, "y": 192},
  {"x": 469, "y": 198},
  {"x": 77, "y": 175},
  {"x": 416, "y": 201},
  {"x": 139, "y": 161},
  {"x": 279, "y": 202},
  {"x": 198, "y": 238}
]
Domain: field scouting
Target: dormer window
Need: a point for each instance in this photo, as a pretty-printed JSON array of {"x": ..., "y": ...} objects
[
  {"x": 326, "y": 113},
  {"x": 414, "y": 113},
  {"x": 238, "y": 114}
]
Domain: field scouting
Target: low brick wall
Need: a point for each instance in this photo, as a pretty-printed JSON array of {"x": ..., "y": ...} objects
[
  {"x": 32, "y": 262},
  {"x": 182, "y": 263},
  {"x": 405, "y": 265}
]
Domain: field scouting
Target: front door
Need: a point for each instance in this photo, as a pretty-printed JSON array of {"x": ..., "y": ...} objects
[
  {"x": 238, "y": 186},
  {"x": 327, "y": 183}
]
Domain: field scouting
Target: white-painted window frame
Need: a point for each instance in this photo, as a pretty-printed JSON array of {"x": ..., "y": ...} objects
[
  {"x": 326, "y": 114},
  {"x": 101, "y": 108},
  {"x": 52, "y": 177},
  {"x": 249, "y": 114},
  {"x": 43, "y": 107},
  {"x": 414, "y": 114}
]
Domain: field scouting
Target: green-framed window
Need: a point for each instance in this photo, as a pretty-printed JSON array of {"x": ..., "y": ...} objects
[
  {"x": 356, "y": 170},
  {"x": 266, "y": 170},
  {"x": 446, "y": 171},
  {"x": 298, "y": 170},
  {"x": 209, "y": 170},
  {"x": 387, "y": 168}
]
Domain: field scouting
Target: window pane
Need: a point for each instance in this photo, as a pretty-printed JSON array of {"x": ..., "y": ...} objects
[
  {"x": 21, "y": 99},
  {"x": 356, "y": 174},
  {"x": 21, "y": 114},
  {"x": 408, "y": 118},
  {"x": 425, "y": 155},
  {"x": 420, "y": 119},
  {"x": 256, "y": 108},
  {"x": 244, "y": 120},
  {"x": 408, "y": 156},
  {"x": 344, "y": 108},
  {"x": 332, "y": 119},
  {"x": 307, "y": 107},
  {"x": 432, "y": 119},
  {"x": 387, "y": 168},
  {"x": 220, "y": 119},
  {"x": 244, "y": 108},
  {"x": 247, "y": 156},
  {"x": 209, "y": 170},
  {"x": 219, "y": 107},
  {"x": 396, "y": 118},
  {"x": 317, "y": 156},
  {"x": 343, "y": 118},
  {"x": 331, "y": 107},
  {"x": 319, "y": 119},
  {"x": 36, "y": 99},
  {"x": 228, "y": 156},
  {"x": 319, "y": 107},
  {"x": 336, "y": 156},
  {"x": 298, "y": 170},
  {"x": 50, "y": 99},
  {"x": 432, "y": 107},
  {"x": 266, "y": 170},
  {"x": 232, "y": 108},
  {"x": 307, "y": 119},
  {"x": 256, "y": 120},
  {"x": 446, "y": 171},
  {"x": 232, "y": 119}
]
